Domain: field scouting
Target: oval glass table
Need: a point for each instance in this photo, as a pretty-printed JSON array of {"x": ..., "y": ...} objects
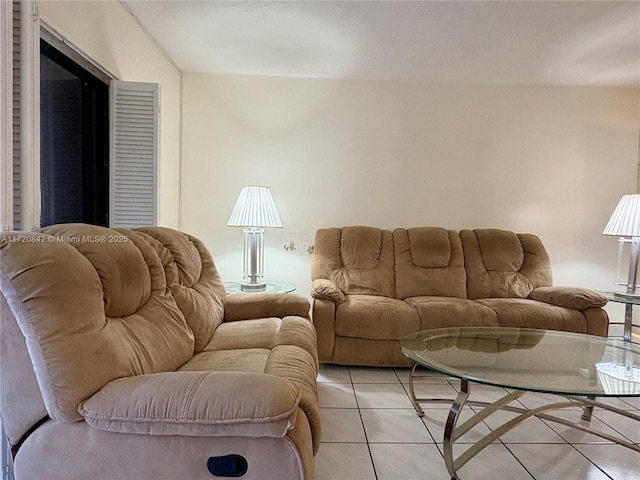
[{"x": 575, "y": 367}]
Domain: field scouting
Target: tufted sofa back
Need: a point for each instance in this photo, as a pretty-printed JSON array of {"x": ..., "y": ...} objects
[
  {"x": 431, "y": 261},
  {"x": 503, "y": 264},
  {"x": 193, "y": 279},
  {"x": 358, "y": 259},
  {"x": 97, "y": 304},
  {"x": 428, "y": 261}
]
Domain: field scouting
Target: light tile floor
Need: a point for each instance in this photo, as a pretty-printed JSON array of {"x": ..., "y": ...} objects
[{"x": 371, "y": 432}]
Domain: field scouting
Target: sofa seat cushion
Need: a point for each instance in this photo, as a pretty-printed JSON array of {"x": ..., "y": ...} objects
[
  {"x": 239, "y": 360},
  {"x": 375, "y": 317},
  {"x": 265, "y": 333},
  {"x": 444, "y": 312},
  {"x": 172, "y": 403},
  {"x": 525, "y": 313},
  {"x": 281, "y": 347}
]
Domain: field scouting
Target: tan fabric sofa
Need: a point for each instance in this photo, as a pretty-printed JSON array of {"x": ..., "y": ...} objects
[
  {"x": 122, "y": 357},
  {"x": 373, "y": 287}
]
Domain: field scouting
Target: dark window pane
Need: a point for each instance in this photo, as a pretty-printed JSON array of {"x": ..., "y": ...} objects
[{"x": 74, "y": 137}]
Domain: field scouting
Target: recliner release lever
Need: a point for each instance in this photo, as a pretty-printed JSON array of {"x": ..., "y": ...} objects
[{"x": 228, "y": 465}]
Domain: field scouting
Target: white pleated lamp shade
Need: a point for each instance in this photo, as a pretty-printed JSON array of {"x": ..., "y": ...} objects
[
  {"x": 625, "y": 221},
  {"x": 255, "y": 208},
  {"x": 616, "y": 377}
]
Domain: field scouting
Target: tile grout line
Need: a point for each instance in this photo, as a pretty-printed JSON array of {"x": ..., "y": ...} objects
[
  {"x": 366, "y": 438},
  {"x": 590, "y": 461},
  {"x": 422, "y": 420}
]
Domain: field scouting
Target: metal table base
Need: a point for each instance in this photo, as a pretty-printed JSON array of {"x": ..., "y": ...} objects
[{"x": 453, "y": 432}]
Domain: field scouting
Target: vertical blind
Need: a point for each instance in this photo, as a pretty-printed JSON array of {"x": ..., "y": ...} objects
[
  {"x": 17, "y": 190},
  {"x": 133, "y": 154}
]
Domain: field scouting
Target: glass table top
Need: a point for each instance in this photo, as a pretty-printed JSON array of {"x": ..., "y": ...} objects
[
  {"x": 527, "y": 359},
  {"x": 621, "y": 297},
  {"x": 270, "y": 287}
]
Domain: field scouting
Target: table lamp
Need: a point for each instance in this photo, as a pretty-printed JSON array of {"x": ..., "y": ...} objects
[
  {"x": 254, "y": 210},
  {"x": 625, "y": 222}
]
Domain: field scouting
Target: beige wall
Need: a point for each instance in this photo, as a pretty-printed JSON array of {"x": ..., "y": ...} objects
[
  {"x": 551, "y": 161},
  {"x": 106, "y": 32}
]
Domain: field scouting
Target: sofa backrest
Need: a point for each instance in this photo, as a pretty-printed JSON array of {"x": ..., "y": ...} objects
[
  {"x": 428, "y": 261},
  {"x": 358, "y": 259},
  {"x": 96, "y": 304},
  {"x": 193, "y": 279},
  {"x": 503, "y": 264},
  {"x": 431, "y": 261}
]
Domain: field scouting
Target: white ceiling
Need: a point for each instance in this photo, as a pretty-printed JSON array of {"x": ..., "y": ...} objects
[{"x": 591, "y": 43}]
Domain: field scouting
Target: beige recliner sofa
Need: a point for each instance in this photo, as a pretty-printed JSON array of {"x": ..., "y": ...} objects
[
  {"x": 372, "y": 287},
  {"x": 122, "y": 357}
]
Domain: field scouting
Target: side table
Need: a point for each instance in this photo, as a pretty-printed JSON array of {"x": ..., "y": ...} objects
[
  {"x": 629, "y": 302},
  {"x": 271, "y": 287}
]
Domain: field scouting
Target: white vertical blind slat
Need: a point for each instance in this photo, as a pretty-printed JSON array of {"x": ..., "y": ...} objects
[{"x": 17, "y": 183}]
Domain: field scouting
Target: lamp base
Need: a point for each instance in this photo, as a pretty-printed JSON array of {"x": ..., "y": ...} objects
[
  {"x": 253, "y": 287},
  {"x": 253, "y": 265}
]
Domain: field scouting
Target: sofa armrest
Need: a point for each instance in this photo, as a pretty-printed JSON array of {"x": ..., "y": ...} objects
[
  {"x": 324, "y": 289},
  {"x": 576, "y": 298},
  {"x": 261, "y": 305},
  {"x": 324, "y": 321},
  {"x": 208, "y": 404}
]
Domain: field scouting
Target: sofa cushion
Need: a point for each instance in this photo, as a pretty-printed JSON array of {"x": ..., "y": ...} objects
[
  {"x": 125, "y": 269},
  {"x": 264, "y": 333},
  {"x": 361, "y": 247},
  {"x": 195, "y": 404},
  {"x": 526, "y": 313},
  {"x": 359, "y": 260},
  {"x": 441, "y": 312},
  {"x": 82, "y": 327},
  {"x": 504, "y": 264},
  {"x": 429, "y": 261},
  {"x": 375, "y": 317},
  {"x": 284, "y": 347}
]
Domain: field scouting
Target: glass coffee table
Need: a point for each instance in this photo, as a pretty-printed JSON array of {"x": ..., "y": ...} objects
[{"x": 577, "y": 368}]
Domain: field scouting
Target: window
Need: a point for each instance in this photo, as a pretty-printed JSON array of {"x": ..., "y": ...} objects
[
  {"x": 74, "y": 130},
  {"x": 101, "y": 169}
]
